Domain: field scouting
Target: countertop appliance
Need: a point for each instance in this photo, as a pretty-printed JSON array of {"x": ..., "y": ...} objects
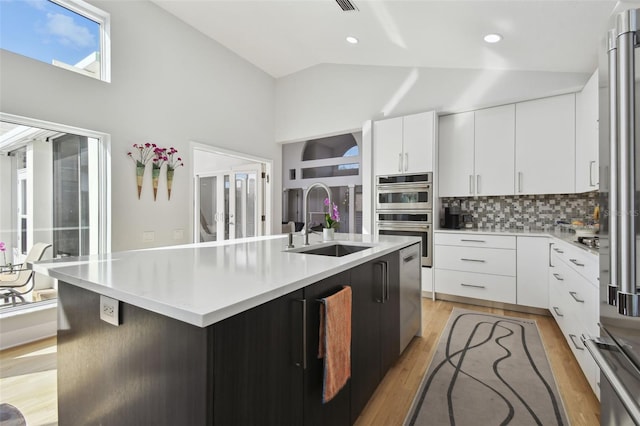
[
  {"x": 617, "y": 349},
  {"x": 403, "y": 207},
  {"x": 410, "y": 295}
]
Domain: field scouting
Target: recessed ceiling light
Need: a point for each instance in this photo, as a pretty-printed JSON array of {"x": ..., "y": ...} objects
[
  {"x": 352, "y": 40},
  {"x": 492, "y": 38}
]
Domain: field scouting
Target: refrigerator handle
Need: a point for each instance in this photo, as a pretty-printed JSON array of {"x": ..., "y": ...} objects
[
  {"x": 612, "y": 213},
  {"x": 628, "y": 298}
]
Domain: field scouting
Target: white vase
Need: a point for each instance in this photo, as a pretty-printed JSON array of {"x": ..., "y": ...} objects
[{"x": 327, "y": 234}]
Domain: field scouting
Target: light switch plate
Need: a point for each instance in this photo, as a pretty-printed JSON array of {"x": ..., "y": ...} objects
[{"x": 110, "y": 310}]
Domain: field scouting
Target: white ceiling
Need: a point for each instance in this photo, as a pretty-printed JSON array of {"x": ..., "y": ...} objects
[{"x": 283, "y": 37}]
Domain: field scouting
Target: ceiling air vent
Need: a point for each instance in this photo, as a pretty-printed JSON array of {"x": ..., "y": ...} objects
[{"x": 346, "y": 5}]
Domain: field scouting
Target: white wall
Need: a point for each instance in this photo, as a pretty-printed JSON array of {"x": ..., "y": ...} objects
[
  {"x": 330, "y": 99},
  {"x": 170, "y": 85}
]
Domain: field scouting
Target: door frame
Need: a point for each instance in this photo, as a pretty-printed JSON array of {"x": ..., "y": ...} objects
[{"x": 267, "y": 199}]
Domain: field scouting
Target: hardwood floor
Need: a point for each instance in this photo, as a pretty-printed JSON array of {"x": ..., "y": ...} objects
[
  {"x": 28, "y": 374},
  {"x": 28, "y": 381}
]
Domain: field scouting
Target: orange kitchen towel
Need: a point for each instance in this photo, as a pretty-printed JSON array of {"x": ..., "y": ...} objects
[{"x": 335, "y": 342}]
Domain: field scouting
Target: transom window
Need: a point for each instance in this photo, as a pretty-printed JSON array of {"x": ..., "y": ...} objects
[{"x": 70, "y": 34}]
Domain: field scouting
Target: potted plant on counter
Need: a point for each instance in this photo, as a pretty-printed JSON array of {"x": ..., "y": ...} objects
[{"x": 331, "y": 220}]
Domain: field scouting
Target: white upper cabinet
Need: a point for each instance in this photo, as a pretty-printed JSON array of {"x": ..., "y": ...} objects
[
  {"x": 587, "y": 178},
  {"x": 418, "y": 135},
  {"x": 455, "y": 155},
  {"x": 545, "y": 146},
  {"x": 404, "y": 144},
  {"x": 494, "y": 150}
]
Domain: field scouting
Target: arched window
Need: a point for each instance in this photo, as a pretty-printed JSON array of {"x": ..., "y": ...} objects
[{"x": 330, "y": 147}]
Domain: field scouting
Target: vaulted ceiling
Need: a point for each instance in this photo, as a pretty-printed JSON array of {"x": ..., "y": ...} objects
[{"x": 283, "y": 37}]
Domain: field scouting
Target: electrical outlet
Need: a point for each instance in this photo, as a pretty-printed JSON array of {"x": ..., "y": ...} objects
[
  {"x": 148, "y": 236},
  {"x": 110, "y": 310},
  {"x": 178, "y": 234}
]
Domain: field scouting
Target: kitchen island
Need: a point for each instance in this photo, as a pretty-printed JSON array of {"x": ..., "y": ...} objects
[{"x": 220, "y": 333}]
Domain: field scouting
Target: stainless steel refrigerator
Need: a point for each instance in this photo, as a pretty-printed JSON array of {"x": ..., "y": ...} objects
[{"x": 617, "y": 349}]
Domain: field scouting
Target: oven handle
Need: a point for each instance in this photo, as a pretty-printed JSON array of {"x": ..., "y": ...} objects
[
  {"x": 404, "y": 187},
  {"x": 628, "y": 400},
  {"x": 424, "y": 228}
]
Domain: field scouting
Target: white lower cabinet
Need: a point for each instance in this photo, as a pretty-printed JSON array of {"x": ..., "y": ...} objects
[
  {"x": 477, "y": 266},
  {"x": 479, "y": 286},
  {"x": 532, "y": 276},
  {"x": 573, "y": 301}
]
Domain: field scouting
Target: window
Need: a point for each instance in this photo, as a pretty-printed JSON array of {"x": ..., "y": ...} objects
[
  {"x": 54, "y": 183},
  {"x": 70, "y": 34}
]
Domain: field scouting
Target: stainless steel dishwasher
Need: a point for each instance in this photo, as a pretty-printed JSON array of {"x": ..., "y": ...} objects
[{"x": 410, "y": 294}]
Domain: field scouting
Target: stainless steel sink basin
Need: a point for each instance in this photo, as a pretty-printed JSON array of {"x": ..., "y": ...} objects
[{"x": 334, "y": 250}]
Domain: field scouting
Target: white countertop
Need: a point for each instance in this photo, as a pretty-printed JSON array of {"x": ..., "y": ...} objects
[
  {"x": 204, "y": 283},
  {"x": 568, "y": 237}
]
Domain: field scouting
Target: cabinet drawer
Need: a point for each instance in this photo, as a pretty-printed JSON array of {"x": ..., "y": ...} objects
[
  {"x": 479, "y": 286},
  {"x": 581, "y": 261},
  {"x": 474, "y": 259},
  {"x": 469, "y": 239}
]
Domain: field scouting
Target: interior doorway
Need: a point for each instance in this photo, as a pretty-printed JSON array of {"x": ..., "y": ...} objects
[{"x": 232, "y": 195}]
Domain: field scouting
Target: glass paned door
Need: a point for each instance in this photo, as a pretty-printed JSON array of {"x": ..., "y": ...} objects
[{"x": 229, "y": 205}]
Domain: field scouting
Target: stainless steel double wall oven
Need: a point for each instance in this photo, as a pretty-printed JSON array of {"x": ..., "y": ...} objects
[{"x": 404, "y": 206}]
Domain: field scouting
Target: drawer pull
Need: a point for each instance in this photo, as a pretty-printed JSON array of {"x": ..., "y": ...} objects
[
  {"x": 474, "y": 241},
  {"x": 575, "y": 262},
  {"x": 558, "y": 277},
  {"x": 555, "y": 308},
  {"x": 473, "y": 260},
  {"x": 472, "y": 285},
  {"x": 573, "y": 337},
  {"x": 573, "y": 294},
  {"x": 557, "y": 250}
]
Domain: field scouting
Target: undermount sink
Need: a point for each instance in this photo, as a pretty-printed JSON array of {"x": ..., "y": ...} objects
[{"x": 334, "y": 250}]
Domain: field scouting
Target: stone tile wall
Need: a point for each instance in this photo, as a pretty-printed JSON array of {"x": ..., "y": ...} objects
[{"x": 518, "y": 212}]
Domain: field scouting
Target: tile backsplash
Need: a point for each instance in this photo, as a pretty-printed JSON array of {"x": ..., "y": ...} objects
[{"x": 533, "y": 211}]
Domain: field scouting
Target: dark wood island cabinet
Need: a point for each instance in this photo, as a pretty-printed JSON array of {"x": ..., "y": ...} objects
[{"x": 258, "y": 367}]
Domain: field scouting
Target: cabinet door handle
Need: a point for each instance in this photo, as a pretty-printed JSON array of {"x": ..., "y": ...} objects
[
  {"x": 471, "y": 184},
  {"x": 573, "y": 294},
  {"x": 555, "y": 308},
  {"x": 301, "y": 358},
  {"x": 591, "y": 164},
  {"x": 573, "y": 338},
  {"x": 558, "y": 277},
  {"x": 477, "y": 184},
  {"x": 557, "y": 250},
  {"x": 400, "y": 162},
  {"x": 473, "y": 260},
  {"x": 575, "y": 262},
  {"x": 474, "y": 241},
  {"x": 406, "y": 161},
  {"x": 550, "y": 246},
  {"x": 472, "y": 285},
  {"x": 384, "y": 278},
  {"x": 519, "y": 181}
]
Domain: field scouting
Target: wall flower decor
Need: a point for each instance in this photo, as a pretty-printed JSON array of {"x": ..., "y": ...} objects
[
  {"x": 173, "y": 162},
  {"x": 158, "y": 156},
  {"x": 141, "y": 155}
]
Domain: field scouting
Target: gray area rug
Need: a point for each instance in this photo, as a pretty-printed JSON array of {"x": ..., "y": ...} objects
[{"x": 488, "y": 370}]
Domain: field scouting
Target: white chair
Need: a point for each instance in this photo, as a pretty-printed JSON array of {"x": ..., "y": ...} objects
[{"x": 17, "y": 282}]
